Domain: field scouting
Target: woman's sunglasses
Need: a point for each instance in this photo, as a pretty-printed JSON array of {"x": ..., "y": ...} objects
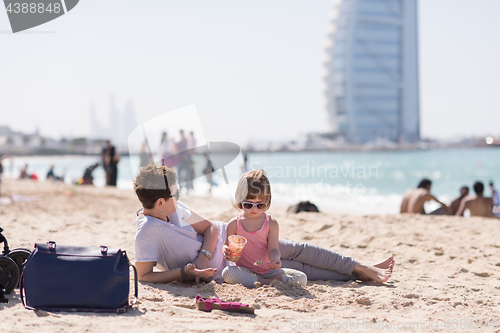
[
  {"x": 250, "y": 205},
  {"x": 176, "y": 195}
]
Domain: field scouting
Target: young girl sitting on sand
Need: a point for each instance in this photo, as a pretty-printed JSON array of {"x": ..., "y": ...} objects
[{"x": 259, "y": 262}]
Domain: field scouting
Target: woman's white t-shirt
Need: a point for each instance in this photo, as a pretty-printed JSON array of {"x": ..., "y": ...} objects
[{"x": 175, "y": 243}]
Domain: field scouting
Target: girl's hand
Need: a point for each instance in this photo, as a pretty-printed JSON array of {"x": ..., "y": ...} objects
[
  {"x": 225, "y": 251},
  {"x": 227, "y": 254},
  {"x": 274, "y": 264}
]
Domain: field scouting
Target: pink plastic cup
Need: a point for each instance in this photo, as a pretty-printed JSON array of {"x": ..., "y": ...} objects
[{"x": 236, "y": 245}]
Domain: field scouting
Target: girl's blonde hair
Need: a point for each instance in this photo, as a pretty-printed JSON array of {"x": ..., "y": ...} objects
[{"x": 253, "y": 185}]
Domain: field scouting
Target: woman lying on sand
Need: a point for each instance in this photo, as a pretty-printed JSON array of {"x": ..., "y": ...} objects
[{"x": 183, "y": 245}]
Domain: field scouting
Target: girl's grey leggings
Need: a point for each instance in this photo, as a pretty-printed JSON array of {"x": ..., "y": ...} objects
[{"x": 244, "y": 276}]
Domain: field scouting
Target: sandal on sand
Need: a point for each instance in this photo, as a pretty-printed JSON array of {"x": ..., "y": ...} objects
[{"x": 216, "y": 304}]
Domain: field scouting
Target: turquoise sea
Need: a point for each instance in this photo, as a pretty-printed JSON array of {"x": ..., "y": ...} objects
[{"x": 348, "y": 182}]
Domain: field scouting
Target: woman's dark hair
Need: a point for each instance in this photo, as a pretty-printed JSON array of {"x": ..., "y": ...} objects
[{"x": 153, "y": 183}]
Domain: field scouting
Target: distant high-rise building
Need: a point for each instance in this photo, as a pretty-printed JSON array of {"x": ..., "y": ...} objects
[
  {"x": 96, "y": 129},
  {"x": 120, "y": 125},
  {"x": 372, "y": 70},
  {"x": 129, "y": 122},
  {"x": 114, "y": 123}
]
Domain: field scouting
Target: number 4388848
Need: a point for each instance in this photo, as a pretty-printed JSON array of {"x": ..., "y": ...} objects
[{"x": 33, "y": 8}]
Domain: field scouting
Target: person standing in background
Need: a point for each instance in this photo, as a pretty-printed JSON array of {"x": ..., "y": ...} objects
[
  {"x": 208, "y": 170},
  {"x": 183, "y": 166},
  {"x": 167, "y": 150},
  {"x": 191, "y": 145},
  {"x": 110, "y": 161},
  {"x": 244, "y": 167},
  {"x": 1, "y": 171},
  {"x": 494, "y": 195},
  {"x": 144, "y": 156}
]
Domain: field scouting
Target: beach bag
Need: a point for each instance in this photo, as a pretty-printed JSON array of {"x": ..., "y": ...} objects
[
  {"x": 73, "y": 278},
  {"x": 303, "y": 206}
]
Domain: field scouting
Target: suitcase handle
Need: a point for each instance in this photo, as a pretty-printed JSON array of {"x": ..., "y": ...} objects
[
  {"x": 21, "y": 292},
  {"x": 136, "y": 285}
]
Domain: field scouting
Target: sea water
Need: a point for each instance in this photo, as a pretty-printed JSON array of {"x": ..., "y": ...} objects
[
  {"x": 346, "y": 182},
  {"x": 374, "y": 182}
]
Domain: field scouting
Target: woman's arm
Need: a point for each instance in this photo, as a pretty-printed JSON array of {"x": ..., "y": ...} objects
[
  {"x": 210, "y": 234},
  {"x": 146, "y": 274},
  {"x": 273, "y": 245}
]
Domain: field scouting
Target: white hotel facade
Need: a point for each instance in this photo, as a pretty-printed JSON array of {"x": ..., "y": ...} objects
[{"x": 372, "y": 70}]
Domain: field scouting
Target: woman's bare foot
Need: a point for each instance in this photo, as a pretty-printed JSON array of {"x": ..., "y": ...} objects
[{"x": 375, "y": 272}]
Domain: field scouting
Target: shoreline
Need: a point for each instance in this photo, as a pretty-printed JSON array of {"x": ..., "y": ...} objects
[{"x": 351, "y": 148}]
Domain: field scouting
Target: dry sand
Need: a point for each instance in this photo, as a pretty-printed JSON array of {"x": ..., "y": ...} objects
[{"x": 447, "y": 270}]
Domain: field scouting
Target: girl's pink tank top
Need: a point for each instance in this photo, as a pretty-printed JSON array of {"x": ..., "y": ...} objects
[{"x": 256, "y": 247}]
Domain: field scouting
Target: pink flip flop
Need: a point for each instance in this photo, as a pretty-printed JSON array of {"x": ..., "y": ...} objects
[{"x": 216, "y": 304}]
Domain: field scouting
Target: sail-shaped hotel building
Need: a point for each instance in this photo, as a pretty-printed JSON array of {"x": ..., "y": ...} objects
[{"x": 372, "y": 70}]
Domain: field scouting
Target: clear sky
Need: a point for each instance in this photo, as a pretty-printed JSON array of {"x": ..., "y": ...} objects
[{"x": 252, "y": 67}]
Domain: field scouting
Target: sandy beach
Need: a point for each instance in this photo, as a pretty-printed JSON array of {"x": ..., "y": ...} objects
[{"x": 446, "y": 278}]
